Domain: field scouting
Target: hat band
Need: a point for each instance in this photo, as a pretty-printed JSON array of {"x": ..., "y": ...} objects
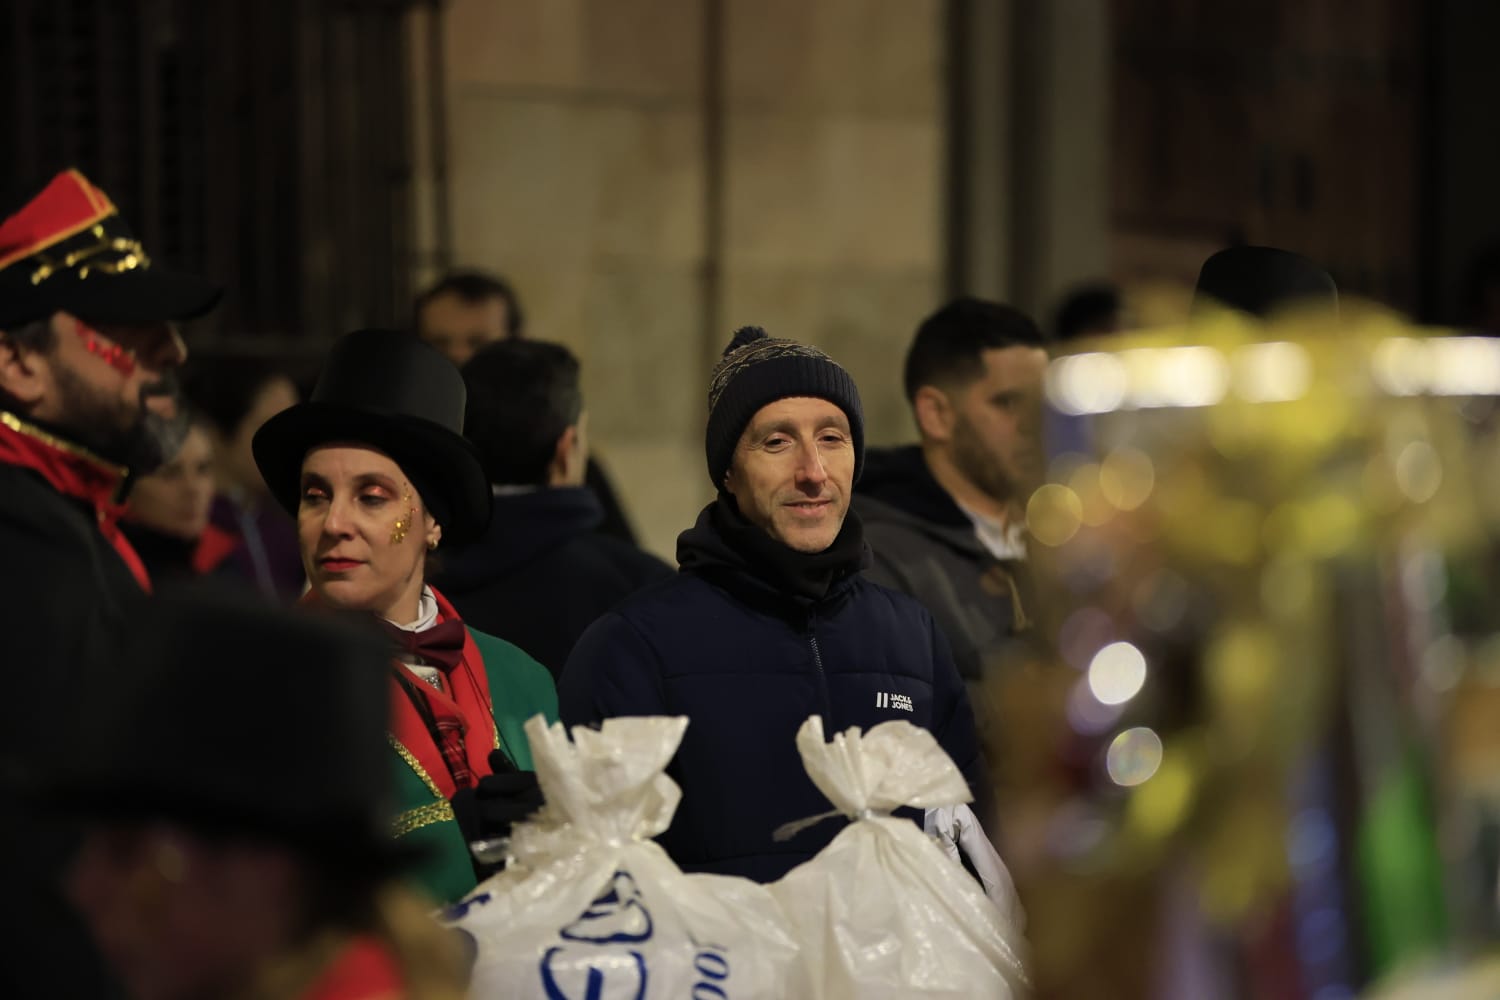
[{"x": 132, "y": 256}]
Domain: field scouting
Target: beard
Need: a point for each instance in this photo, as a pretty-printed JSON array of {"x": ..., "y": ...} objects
[
  {"x": 982, "y": 467},
  {"x": 132, "y": 436}
]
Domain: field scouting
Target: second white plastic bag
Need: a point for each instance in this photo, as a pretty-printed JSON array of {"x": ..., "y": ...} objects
[{"x": 881, "y": 912}]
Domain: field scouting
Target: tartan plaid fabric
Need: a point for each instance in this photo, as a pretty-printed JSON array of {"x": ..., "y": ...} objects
[
  {"x": 445, "y": 721},
  {"x": 442, "y": 646}
]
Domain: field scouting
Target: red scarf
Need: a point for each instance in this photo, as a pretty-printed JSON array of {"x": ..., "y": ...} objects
[
  {"x": 76, "y": 473},
  {"x": 440, "y": 645},
  {"x": 463, "y": 712}
]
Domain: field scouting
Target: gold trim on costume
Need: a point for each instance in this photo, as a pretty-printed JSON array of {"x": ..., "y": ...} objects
[
  {"x": 134, "y": 257},
  {"x": 415, "y": 819},
  {"x": 20, "y": 426},
  {"x": 416, "y": 766}
]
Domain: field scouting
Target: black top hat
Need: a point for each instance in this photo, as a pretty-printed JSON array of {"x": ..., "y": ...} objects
[
  {"x": 229, "y": 716},
  {"x": 68, "y": 249},
  {"x": 389, "y": 390},
  {"x": 1262, "y": 280}
]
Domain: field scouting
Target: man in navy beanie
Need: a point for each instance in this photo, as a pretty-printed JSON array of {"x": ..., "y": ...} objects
[{"x": 768, "y": 621}]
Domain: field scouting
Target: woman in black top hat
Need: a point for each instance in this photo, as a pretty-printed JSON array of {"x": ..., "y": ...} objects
[{"x": 378, "y": 474}]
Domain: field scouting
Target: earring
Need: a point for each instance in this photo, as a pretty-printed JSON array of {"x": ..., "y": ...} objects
[{"x": 431, "y": 544}]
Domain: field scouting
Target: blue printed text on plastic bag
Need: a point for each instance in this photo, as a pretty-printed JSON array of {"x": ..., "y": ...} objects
[
  {"x": 457, "y": 911},
  {"x": 617, "y": 916},
  {"x": 576, "y": 974}
]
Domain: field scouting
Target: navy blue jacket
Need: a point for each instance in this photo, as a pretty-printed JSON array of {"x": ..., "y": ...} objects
[{"x": 748, "y": 664}]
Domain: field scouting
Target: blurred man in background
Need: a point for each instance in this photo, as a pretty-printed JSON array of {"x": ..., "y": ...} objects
[
  {"x": 87, "y": 400},
  {"x": 466, "y": 310},
  {"x": 945, "y": 518},
  {"x": 543, "y": 572}
]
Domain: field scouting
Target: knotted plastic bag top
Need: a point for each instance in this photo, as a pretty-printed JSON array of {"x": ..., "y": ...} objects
[
  {"x": 605, "y": 786},
  {"x": 871, "y": 773}
]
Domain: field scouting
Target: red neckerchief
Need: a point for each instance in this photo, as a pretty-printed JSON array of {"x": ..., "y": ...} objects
[
  {"x": 445, "y": 722},
  {"x": 73, "y": 472},
  {"x": 364, "y": 969},
  {"x": 467, "y": 698},
  {"x": 463, "y": 755}
]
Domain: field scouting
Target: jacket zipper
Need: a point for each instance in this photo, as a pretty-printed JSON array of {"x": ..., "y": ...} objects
[{"x": 812, "y": 640}]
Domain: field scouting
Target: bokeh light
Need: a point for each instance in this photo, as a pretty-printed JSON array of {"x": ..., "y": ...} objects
[
  {"x": 1399, "y": 366},
  {"x": 1419, "y": 471},
  {"x": 1087, "y": 383},
  {"x": 1117, "y": 673},
  {"x": 1126, "y": 477},
  {"x": 1464, "y": 366},
  {"x": 1133, "y": 756},
  {"x": 1271, "y": 373},
  {"x": 1054, "y": 514}
]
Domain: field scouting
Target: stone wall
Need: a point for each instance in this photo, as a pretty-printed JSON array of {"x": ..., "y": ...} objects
[{"x": 642, "y": 219}]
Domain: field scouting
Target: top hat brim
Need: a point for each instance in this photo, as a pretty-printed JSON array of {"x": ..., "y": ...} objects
[
  {"x": 134, "y": 298},
  {"x": 427, "y": 452}
]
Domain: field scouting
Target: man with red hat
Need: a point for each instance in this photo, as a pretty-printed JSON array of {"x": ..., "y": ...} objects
[{"x": 87, "y": 399}]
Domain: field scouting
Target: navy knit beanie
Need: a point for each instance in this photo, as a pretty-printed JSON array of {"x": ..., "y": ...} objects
[{"x": 757, "y": 369}]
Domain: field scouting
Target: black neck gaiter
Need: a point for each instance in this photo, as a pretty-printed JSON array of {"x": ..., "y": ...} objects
[{"x": 806, "y": 575}]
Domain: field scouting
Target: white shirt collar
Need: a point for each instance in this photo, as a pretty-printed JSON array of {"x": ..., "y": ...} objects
[
  {"x": 427, "y": 612},
  {"x": 1003, "y": 541}
]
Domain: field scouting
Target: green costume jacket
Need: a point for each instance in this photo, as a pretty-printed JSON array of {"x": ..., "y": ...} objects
[{"x": 504, "y": 687}]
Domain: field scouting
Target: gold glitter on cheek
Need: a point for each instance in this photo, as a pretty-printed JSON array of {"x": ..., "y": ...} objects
[{"x": 398, "y": 530}]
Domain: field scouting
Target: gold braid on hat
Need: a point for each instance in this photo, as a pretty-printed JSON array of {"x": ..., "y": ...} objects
[{"x": 132, "y": 256}]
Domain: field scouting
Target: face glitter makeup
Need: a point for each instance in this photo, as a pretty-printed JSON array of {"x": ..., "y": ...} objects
[{"x": 399, "y": 529}]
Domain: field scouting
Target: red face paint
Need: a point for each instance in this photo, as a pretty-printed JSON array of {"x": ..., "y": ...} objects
[{"x": 119, "y": 358}]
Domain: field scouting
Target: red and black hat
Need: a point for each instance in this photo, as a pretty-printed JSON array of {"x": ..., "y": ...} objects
[{"x": 68, "y": 250}]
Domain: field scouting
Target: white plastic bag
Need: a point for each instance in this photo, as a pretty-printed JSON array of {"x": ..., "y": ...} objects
[
  {"x": 882, "y": 912},
  {"x": 590, "y": 907},
  {"x": 957, "y": 832}
]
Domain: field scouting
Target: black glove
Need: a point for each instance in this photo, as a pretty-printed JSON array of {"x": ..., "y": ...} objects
[{"x": 498, "y": 802}]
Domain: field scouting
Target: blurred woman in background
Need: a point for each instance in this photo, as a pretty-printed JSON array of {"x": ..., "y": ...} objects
[
  {"x": 166, "y": 515},
  {"x": 237, "y": 395}
]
